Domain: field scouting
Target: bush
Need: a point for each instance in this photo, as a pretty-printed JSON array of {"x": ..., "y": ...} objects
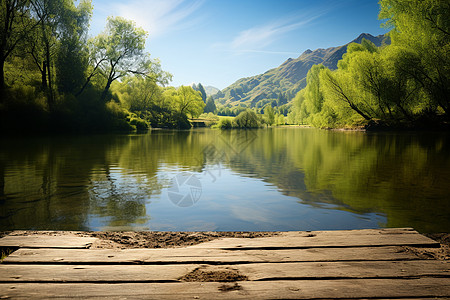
[
  {"x": 247, "y": 119},
  {"x": 141, "y": 125},
  {"x": 225, "y": 123}
]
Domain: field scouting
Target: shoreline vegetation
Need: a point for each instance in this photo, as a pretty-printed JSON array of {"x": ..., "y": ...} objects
[{"x": 54, "y": 78}]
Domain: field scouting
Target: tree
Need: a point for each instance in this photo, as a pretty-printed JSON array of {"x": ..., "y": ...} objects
[
  {"x": 247, "y": 119},
  {"x": 15, "y": 24},
  {"x": 202, "y": 92},
  {"x": 340, "y": 88},
  {"x": 210, "y": 106},
  {"x": 73, "y": 56},
  {"x": 142, "y": 94},
  {"x": 119, "y": 51},
  {"x": 280, "y": 119},
  {"x": 422, "y": 29},
  {"x": 48, "y": 14},
  {"x": 313, "y": 93},
  {"x": 269, "y": 115},
  {"x": 186, "y": 101}
]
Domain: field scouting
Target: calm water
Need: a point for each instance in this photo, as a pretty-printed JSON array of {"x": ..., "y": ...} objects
[{"x": 268, "y": 179}]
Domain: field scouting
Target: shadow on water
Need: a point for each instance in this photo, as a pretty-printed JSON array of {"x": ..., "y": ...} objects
[{"x": 119, "y": 181}]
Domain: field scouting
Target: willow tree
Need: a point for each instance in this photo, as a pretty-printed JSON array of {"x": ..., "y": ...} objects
[{"x": 422, "y": 29}]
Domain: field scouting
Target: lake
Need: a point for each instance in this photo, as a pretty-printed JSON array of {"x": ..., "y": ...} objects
[{"x": 236, "y": 180}]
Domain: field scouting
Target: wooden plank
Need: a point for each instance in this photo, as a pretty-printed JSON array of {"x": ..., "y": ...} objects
[
  {"x": 320, "y": 240},
  {"x": 258, "y": 271},
  {"x": 201, "y": 255},
  {"x": 327, "y": 270},
  {"x": 93, "y": 273},
  {"x": 46, "y": 241},
  {"x": 351, "y": 232},
  {"x": 57, "y": 239},
  {"x": 301, "y": 289}
]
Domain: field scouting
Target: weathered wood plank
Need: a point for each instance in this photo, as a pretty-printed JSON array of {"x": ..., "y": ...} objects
[
  {"x": 93, "y": 273},
  {"x": 317, "y": 239},
  {"x": 201, "y": 255},
  {"x": 258, "y": 271},
  {"x": 301, "y": 289},
  {"x": 352, "y": 232},
  {"x": 326, "y": 270},
  {"x": 46, "y": 241}
]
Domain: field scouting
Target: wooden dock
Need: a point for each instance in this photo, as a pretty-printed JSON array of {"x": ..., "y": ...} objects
[{"x": 358, "y": 264}]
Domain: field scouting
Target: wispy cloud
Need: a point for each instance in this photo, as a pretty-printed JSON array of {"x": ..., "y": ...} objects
[
  {"x": 269, "y": 52},
  {"x": 158, "y": 17},
  {"x": 256, "y": 39}
]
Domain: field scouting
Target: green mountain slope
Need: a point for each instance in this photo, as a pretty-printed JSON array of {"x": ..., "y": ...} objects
[{"x": 283, "y": 83}]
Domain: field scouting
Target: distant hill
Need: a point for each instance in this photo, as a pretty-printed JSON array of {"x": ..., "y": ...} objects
[
  {"x": 210, "y": 90},
  {"x": 284, "y": 82}
]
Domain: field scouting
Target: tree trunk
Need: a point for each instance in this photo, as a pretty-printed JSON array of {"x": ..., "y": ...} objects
[
  {"x": 353, "y": 106},
  {"x": 105, "y": 91},
  {"x": 44, "y": 76},
  {"x": 49, "y": 78}
]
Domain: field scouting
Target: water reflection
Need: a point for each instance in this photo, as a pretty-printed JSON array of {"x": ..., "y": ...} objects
[{"x": 271, "y": 179}]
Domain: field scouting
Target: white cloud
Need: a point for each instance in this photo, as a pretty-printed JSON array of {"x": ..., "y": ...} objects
[
  {"x": 156, "y": 16},
  {"x": 257, "y": 38}
]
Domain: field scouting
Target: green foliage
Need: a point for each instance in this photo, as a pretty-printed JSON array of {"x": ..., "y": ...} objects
[
  {"x": 280, "y": 119},
  {"x": 72, "y": 55},
  {"x": 185, "y": 101},
  {"x": 269, "y": 115},
  {"x": 58, "y": 80},
  {"x": 421, "y": 29},
  {"x": 247, "y": 119},
  {"x": 201, "y": 89},
  {"x": 225, "y": 123},
  {"x": 210, "y": 106},
  {"x": 119, "y": 50},
  {"x": 140, "y": 124}
]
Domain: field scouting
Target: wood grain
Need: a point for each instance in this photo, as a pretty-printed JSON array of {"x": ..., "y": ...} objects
[
  {"x": 299, "y": 289},
  {"x": 201, "y": 255}
]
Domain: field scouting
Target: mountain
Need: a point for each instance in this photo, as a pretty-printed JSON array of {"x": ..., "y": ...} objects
[
  {"x": 210, "y": 90},
  {"x": 283, "y": 83}
]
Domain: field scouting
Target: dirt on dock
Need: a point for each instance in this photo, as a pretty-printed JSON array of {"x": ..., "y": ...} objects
[
  {"x": 441, "y": 253},
  {"x": 148, "y": 239}
]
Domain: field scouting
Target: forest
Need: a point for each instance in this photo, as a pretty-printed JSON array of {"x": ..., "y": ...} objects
[{"x": 55, "y": 77}]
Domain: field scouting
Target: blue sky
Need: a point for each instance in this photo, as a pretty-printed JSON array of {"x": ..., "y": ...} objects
[{"x": 217, "y": 42}]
